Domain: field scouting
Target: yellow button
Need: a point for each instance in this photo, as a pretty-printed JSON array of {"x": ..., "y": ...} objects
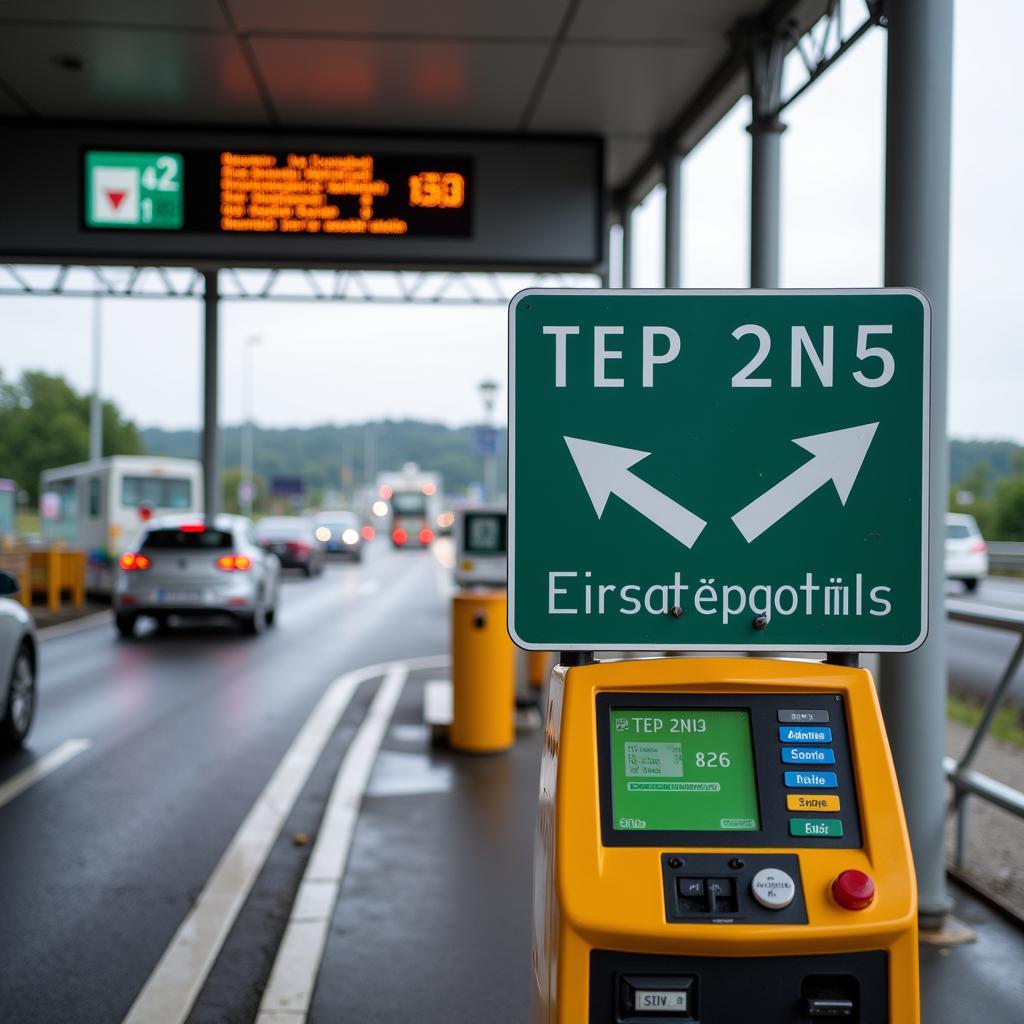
[{"x": 811, "y": 802}]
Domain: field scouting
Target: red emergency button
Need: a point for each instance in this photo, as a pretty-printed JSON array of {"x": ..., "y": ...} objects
[{"x": 853, "y": 890}]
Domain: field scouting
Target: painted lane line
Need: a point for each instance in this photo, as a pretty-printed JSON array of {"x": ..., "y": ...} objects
[
  {"x": 46, "y": 765},
  {"x": 178, "y": 977},
  {"x": 297, "y": 964}
]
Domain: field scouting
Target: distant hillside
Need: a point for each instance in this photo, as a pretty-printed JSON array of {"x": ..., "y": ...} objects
[
  {"x": 320, "y": 455},
  {"x": 967, "y": 457}
]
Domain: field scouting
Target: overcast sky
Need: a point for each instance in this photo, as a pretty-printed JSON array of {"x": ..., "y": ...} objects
[{"x": 347, "y": 362}]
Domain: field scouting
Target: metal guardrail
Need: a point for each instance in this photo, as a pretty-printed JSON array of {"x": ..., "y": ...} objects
[
  {"x": 1006, "y": 554},
  {"x": 966, "y": 780}
]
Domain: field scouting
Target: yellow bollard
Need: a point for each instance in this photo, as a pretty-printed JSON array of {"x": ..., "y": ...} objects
[
  {"x": 53, "y": 579},
  {"x": 483, "y": 674},
  {"x": 538, "y": 666}
]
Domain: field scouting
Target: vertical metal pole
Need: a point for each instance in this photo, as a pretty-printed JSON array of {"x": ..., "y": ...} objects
[
  {"x": 917, "y": 184},
  {"x": 96, "y": 402},
  {"x": 248, "y": 469},
  {"x": 211, "y": 340},
  {"x": 766, "y": 56},
  {"x": 674, "y": 222},
  {"x": 627, "y": 247}
]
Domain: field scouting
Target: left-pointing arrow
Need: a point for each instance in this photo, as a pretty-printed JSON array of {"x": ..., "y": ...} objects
[{"x": 605, "y": 470}]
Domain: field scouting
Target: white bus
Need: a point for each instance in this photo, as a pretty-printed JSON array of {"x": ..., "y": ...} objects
[
  {"x": 100, "y": 506},
  {"x": 414, "y": 501}
]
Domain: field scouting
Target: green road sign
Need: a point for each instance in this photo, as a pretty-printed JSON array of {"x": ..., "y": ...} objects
[
  {"x": 134, "y": 190},
  {"x": 718, "y": 470}
]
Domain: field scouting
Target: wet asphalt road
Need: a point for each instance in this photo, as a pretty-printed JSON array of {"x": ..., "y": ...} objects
[
  {"x": 977, "y": 656},
  {"x": 103, "y": 858}
]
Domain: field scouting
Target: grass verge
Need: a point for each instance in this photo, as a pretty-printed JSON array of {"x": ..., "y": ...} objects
[{"x": 1008, "y": 725}]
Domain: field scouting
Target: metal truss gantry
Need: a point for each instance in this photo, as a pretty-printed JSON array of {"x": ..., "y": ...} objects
[{"x": 298, "y": 285}]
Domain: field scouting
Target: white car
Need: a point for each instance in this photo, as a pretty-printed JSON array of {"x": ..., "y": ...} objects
[
  {"x": 187, "y": 566},
  {"x": 17, "y": 666},
  {"x": 966, "y": 550}
]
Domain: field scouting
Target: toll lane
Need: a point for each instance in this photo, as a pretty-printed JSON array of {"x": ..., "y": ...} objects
[{"x": 110, "y": 850}]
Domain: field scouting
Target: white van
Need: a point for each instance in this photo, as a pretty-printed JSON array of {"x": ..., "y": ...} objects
[{"x": 100, "y": 506}]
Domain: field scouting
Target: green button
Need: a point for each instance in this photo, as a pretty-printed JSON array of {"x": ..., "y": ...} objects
[{"x": 809, "y": 827}]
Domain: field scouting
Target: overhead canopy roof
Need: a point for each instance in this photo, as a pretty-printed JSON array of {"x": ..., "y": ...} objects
[{"x": 636, "y": 72}]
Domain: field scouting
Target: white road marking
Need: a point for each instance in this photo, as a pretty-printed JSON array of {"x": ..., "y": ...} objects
[
  {"x": 367, "y": 587},
  {"x": 75, "y": 625},
  {"x": 171, "y": 989},
  {"x": 398, "y": 773},
  {"x": 290, "y": 988},
  {"x": 47, "y": 764}
]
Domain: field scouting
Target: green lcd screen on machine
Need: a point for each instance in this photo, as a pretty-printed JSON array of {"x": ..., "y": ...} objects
[{"x": 682, "y": 770}]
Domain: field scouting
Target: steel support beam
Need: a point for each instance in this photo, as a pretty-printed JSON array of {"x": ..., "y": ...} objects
[
  {"x": 211, "y": 381},
  {"x": 767, "y": 52},
  {"x": 674, "y": 222},
  {"x": 917, "y": 186},
  {"x": 95, "y": 399},
  {"x": 627, "y": 247}
]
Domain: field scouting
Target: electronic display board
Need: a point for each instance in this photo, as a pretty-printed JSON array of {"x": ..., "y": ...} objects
[
  {"x": 682, "y": 770},
  {"x": 205, "y": 196},
  {"x": 281, "y": 192}
]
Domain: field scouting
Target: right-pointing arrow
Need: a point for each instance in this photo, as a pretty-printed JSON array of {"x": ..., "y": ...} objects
[{"x": 838, "y": 456}]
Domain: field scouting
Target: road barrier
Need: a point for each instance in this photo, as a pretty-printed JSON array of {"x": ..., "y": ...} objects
[
  {"x": 53, "y": 571},
  {"x": 967, "y": 781},
  {"x": 1006, "y": 555}
]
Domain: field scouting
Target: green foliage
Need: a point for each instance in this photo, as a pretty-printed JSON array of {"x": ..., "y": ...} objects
[
  {"x": 1007, "y": 514},
  {"x": 230, "y": 479},
  {"x": 343, "y": 457},
  {"x": 44, "y": 423},
  {"x": 997, "y": 458}
]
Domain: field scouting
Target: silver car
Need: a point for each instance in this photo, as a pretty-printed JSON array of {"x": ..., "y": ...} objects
[
  {"x": 17, "y": 666},
  {"x": 186, "y": 566}
]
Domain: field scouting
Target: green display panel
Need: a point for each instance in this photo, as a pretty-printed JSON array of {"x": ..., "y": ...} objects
[
  {"x": 134, "y": 190},
  {"x": 682, "y": 770}
]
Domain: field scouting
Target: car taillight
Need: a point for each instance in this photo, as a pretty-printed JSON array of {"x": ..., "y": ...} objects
[
  {"x": 399, "y": 536},
  {"x": 234, "y": 563},
  {"x": 368, "y": 532},
  {"x": 426, "y": 535},
  {"x": 298, "y": 548},
  {"x": 979, "y": 547},
  {"x": 192, "y": 527},
  {"x": 130, "y": 561}
]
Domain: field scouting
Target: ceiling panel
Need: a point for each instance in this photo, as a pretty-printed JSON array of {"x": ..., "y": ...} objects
[
  {"x": 625, "y": 90},
  {"x": 176, "y": 13},
  {"x": 8, "y": 106},
  {"x": 178, "y": 76},
  {"x": 521, "y": 19},
  {"x": 659, "y": 19},
  {"x": 621, "y": 155},
  {"x": 399, "y": 84}
]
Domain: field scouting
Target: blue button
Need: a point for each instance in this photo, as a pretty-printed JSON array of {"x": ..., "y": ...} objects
[
  {"x": 811, "y": 780},
  {"x": 805, "y": 734},
  {"x": 808, "y": 755}
]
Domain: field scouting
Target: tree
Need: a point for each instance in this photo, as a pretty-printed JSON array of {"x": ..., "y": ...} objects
[
  {"x": 1008, "y": 509},
  {"x": 44, "y": 423}
]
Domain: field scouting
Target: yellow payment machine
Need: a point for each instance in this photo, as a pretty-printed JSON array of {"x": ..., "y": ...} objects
[{"x": 721, "y": 841}]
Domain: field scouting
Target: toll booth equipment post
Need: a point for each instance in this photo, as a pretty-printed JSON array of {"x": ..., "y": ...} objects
[
  {"x": 483, "y": 674},
  {"x": 721, "y": 841}
]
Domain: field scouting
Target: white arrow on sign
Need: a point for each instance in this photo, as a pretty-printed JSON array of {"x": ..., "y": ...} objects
[
  {"x": 604, "y": 469},
  {"x": 838, "y": 456}
]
